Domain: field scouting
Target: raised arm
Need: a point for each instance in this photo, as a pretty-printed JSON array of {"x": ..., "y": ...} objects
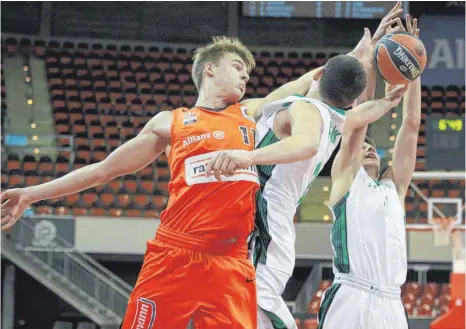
[
  {"x": 356, "y": 127},
  {"x": 404, "y": 154},
  {"x": 128, "y": 158},
  {"x": 302, "y": 85}
]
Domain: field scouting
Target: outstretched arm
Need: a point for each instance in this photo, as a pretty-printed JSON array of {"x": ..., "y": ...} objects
[
  {"x": 355, "y": 128},
  {"x": 128, "y": 158},
  {"x": 404, "y": 154}
]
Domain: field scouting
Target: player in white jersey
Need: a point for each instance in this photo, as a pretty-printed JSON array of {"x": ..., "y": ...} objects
[
  {"x": 296, "y": 137},
  {"x": 368, "y": 234}
]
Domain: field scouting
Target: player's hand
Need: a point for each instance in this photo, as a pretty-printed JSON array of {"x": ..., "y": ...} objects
[
  {"x": 394, "y": 93},
  {"x": 411, "y": 25},
  {"x": 390, "y": 19},
  {"x": 364, "y": 49},
  {"x": 226, "y": 162},
  {"x": 14, "y": 203}
]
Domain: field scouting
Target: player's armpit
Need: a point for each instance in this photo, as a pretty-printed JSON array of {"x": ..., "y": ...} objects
[{"x": 306, "y": 129}]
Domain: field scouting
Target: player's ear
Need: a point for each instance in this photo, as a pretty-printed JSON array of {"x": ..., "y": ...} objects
[{"x": 209, "y": 69}]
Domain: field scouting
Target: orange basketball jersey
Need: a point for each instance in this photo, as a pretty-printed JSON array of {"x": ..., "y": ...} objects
[{"x": 201, "y": 205}]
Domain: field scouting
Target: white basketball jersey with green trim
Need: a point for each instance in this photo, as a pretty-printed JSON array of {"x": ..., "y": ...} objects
[{"x": 284, "y": 185}]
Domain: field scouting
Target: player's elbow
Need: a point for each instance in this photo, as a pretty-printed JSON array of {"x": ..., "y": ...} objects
[
  {"x": 103, "y": 173},
  {"x": 413, "y": 123}
]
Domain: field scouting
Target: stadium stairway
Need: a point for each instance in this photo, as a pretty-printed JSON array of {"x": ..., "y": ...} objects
[
  {"x": 79, "y": 280},
  {"x": 19, "y": 69}
]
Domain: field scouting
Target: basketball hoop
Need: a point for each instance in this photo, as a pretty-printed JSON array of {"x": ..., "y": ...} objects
[{"x": 442, "y": 228}]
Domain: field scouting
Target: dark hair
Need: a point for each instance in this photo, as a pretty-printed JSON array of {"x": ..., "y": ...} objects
[
  {"x": 369, "y": 141},
  {"x": 343, "y": 80}
]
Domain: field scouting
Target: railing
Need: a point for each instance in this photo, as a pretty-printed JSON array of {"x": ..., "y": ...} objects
[
  {"x": 77, "y": 268},
  {"x": 28, "y": 144}
]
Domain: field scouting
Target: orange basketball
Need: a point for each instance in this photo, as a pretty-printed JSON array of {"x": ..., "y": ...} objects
[{"x": 400, "y": 57}]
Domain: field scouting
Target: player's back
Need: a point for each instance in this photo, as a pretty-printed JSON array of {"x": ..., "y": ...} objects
[
  {"x": 200, "y": 205},
  {"x": 368, "y": 234},
  {"x": 284, "y": 185}
]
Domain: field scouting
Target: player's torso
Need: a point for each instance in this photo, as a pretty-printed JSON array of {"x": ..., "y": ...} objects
[
  {"x": 368, "y": 234},
  {"x": 284, "y": 185},
  {"x": 201, "y": 205}
]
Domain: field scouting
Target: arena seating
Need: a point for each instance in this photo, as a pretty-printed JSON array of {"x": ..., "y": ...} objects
[
  {"x": 103, "y": 96},
  {"x": 427, "y": 300}
]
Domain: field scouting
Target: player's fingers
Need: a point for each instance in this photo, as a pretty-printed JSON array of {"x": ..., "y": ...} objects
[
  {"x": 5, "y": 195},
  {"x": 5, "y": 204},
  {"x": 219, "y": 161},
  {"x": 6, "y": 219},
  {"x": 224, "y": 166},
  {"x": 396, "y": 7},
  {"x": 8, "y": 224},
  {"x": 210, "y": 164},
  {"x": 415, "y": 29},
  {"x": 232, "y": 167},
  {"x": 417, "y": 32},
  {"x": 399, "y": 24},
  {"x": 218, "y": 175},
  {"x": 409, "y": 25},
  {"x": 393, "y": 15}
]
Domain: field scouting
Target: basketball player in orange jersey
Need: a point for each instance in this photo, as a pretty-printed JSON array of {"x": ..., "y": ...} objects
[{"x": 197, "y": 265}]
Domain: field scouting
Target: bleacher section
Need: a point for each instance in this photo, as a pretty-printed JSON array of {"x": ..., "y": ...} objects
[{"x": 103, "y": 96}]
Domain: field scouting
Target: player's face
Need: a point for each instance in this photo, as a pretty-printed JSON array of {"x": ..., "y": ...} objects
[
  {"x": 369, "y": 157},
  {"x": 231, "y": 76}
]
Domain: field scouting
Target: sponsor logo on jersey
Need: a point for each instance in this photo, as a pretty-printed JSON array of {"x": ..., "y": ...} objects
[
  {"x": 189, "y": 118},
  {"x": 145, "y": 314},
  {"x": 219, "y": 134},
  {"x": 196, "y": 167},
  {"x": 197, "y": 138},
  {"x": 247, "y": 114}
]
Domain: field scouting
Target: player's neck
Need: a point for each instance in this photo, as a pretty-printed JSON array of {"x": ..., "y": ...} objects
[
  {"x": 210, "y": 99},
  {"x": 372, "y": 172}
]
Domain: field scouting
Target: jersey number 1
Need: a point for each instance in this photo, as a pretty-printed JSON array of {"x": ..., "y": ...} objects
[{"x": 245, "y": 132}]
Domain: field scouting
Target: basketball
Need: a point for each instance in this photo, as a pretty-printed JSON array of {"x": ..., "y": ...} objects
[{"x": 400, "y": 57}]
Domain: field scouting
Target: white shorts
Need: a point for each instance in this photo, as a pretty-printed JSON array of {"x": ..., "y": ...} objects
[
  {"x": 360, "y": 309},
  {"x": 272, "y": 311}
]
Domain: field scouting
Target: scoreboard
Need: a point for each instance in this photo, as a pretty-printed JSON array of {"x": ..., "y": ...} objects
[
  {"x": 319, "y": 9},
  {"x": 445, "y": 143}
]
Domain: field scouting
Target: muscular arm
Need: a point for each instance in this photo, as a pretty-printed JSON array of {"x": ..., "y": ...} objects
[
  {"x": 404, "y": 155},
  {"x": 306, "y": 128},
  {"x": 128, "y": 158}
]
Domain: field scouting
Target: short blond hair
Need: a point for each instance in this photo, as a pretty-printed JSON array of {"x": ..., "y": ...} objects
[{"x": 214, "y": 52}]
